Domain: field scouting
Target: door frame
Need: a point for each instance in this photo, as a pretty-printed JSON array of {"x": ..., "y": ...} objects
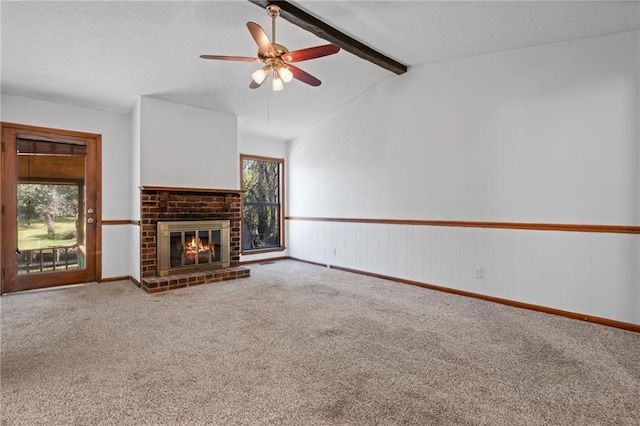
[{"x": 8, "y": 175}]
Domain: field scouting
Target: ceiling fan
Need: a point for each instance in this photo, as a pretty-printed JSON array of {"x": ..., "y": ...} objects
[{"x": 277, "y": 58}]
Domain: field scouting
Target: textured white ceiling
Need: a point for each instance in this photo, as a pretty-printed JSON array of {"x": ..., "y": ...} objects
[{"x": 105, "y": 54}]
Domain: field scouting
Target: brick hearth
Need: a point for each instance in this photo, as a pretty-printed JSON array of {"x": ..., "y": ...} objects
[{"x": 167, "y": 204}]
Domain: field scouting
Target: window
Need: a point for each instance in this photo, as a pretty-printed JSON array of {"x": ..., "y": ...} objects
[{"x": 263, "y": 210}]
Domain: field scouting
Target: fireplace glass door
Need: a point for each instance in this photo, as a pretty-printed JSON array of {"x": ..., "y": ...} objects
[{"x": 197, "y": 245}]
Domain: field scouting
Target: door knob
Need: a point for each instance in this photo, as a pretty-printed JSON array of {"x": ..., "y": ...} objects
[{"x": 91, "y": 220}]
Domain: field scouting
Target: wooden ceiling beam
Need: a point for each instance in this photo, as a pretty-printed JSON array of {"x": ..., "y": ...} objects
[{"x": 308, "y": 22}]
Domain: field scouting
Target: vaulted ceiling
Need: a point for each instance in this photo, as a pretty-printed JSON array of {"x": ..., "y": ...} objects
[{"x": 103, "y": 55}]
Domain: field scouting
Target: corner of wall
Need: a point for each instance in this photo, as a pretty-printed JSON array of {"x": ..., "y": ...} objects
[
  {"x": 167, "y": 128},
  {"x": 638, "y": 175},
  {"x": 134, "y": 188}
]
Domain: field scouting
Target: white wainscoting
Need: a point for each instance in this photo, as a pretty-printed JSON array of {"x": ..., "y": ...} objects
[
  {"x": 589, "y": 273},
  {"x": 115, "y": 251}
]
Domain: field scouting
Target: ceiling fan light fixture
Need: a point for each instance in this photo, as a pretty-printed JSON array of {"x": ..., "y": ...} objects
[
  {"x": 276, "y": 57},
  {"x": 259, "y": 75},
  {"x": 277, "y": 82},
  {"x": 285, "y": 74}
]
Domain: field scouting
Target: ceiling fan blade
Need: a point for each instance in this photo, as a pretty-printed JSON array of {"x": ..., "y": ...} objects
[
  {"x": 304, "y": 76},
  {"x": 311, "y": 53},
  {"x": 261, "y": 39},
  {"x": 231, "y": 58}
]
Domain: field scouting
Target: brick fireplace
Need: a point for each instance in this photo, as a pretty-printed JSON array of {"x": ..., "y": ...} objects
[{"x": 164, "y": 204}]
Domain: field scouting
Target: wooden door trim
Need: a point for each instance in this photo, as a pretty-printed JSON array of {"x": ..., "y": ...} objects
[
  {"x": 46, "y": 132},
  {"x": 8, "y": 192},
  {"x": 98, "y": 173}
]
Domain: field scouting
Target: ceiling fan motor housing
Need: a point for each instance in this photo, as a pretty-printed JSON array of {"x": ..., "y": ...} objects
[{"x": 279, "y": 49}]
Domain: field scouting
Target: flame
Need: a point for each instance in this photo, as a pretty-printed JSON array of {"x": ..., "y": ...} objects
[{"x": 196, "y": 244}]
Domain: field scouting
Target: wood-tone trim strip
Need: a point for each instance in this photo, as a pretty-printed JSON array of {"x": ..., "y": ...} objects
[
  {"x": 121, "y": 222},
  {"x": 261, "y": 158},
  {"x": 181, "y": 189},
  {"x": 322, "y": 265},
  {"x": 112, "y": 279},
  {"x": 98, "y": 206},
  {"x": 568, "y": 227},
  {"x": 538, "y": 308}
]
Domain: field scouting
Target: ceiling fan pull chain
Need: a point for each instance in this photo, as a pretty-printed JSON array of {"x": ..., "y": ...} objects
[{"x": 269, "y": 103}]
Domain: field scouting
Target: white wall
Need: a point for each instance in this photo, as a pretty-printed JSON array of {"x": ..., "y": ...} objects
[
  {"x": 262, "y": 147},
  {"x": 185, "y": 146},
  {"x": 547, "y": 134},
  {"x": 265, "y": 148},
  {"x": 533, "y": 135},
  {"x": 116, "y": 164}
]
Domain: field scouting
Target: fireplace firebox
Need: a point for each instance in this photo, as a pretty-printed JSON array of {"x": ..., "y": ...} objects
[{"x": 191, "y": 246}]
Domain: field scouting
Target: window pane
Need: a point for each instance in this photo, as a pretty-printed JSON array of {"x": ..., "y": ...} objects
[
  {"x": 262, "y": 208},
  {"x": 261, "y": 227},
  {"x": 261, "y": 181},
  {"x": 49, "y": 233}
]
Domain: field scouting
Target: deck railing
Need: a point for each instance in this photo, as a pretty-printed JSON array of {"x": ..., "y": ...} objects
[{"x": 50, "y": 259}]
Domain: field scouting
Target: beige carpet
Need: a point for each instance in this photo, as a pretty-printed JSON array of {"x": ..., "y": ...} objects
[{"x": 298, "y": 344}]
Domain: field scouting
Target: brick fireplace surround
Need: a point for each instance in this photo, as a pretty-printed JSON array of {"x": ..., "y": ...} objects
[{"x": 177, "y": 204}]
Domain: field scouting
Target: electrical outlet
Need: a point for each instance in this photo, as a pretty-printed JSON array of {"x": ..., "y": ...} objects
[
  {"x": 479, "y": 273},
  {"x": 333, "y": 252}
]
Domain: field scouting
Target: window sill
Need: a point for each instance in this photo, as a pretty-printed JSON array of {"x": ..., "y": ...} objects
[{"x": 261, "y": 251}]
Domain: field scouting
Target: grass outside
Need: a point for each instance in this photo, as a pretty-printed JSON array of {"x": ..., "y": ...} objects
[{"x": 34, "y": 235}]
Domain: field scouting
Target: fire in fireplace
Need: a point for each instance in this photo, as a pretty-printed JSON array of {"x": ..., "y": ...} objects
[{"x": 192, "y": 246}]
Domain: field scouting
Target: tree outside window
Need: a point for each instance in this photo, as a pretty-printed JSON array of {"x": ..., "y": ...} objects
[{"x": 262, "y": 182}]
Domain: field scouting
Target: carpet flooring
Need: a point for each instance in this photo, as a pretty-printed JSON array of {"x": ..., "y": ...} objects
[{"x": 298, "y": 344}]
